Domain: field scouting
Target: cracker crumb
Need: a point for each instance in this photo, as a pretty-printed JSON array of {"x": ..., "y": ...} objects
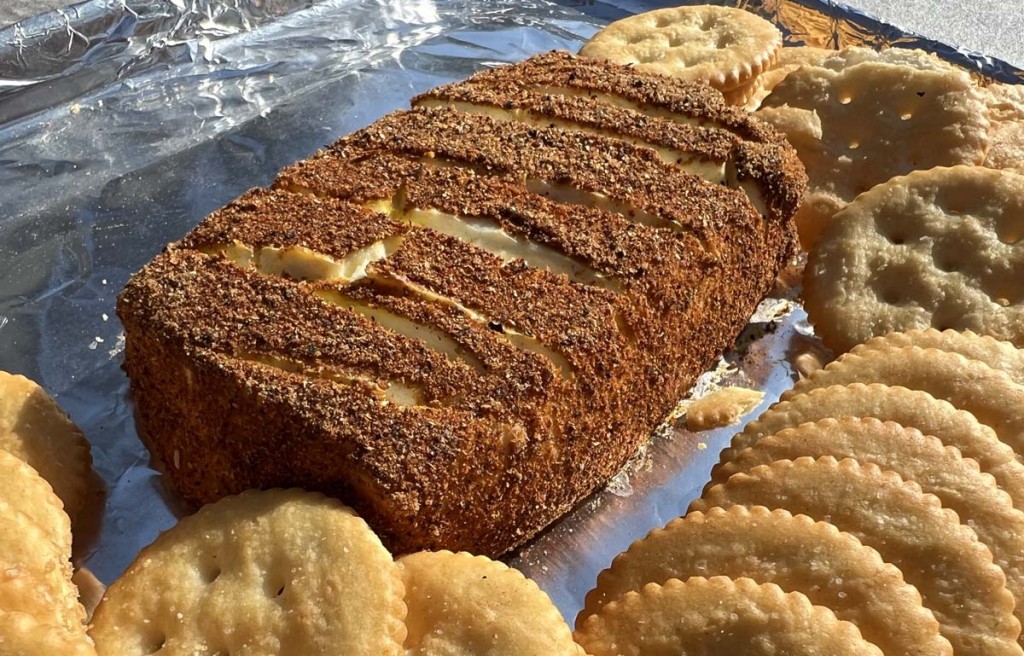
[{"x": 721, "y": 408}]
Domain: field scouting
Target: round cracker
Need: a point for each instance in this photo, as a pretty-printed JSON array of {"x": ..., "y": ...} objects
[
  {"x": 989, "y": 394},
  {"x": 936, "y": 248},
  {"x": 708, "y": 617},
  {"x": 912, "y": 408},
  {"x": 279, "y": 572},
  {"x": 23, "y": 490},
  {"x": 464, "y": 604},
  {"x": 985, "y": 348},
  {"x": 720, "y": 46},
  {"x": 832, "y": 568},
  {"x": 943, "y": 559},
  {"x": 958, "y": 483},
  {"x": 879, "y": 120},
  {"x": 35, "y": 429},
  {"x": 23, "y": 635}
]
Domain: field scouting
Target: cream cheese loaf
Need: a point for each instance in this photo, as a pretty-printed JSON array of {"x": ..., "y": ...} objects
[{"x": 464, "y": 318}]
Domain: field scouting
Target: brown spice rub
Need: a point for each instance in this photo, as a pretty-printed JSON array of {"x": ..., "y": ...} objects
[
  {"x": 423, "y": 477},
  {"x": 633, "y": 176},
  {"x": 707, "y": 142},
  {"x": 244, "y": 380},
  {"x": 761, "y": 154},
  {"x": 264, "y": 217},
  {"x": 672, "y": 97},
  {"x": 655, "y": 262}
]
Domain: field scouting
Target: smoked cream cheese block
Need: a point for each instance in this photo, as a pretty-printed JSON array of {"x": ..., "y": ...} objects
[{"x": 464, "y": 318}]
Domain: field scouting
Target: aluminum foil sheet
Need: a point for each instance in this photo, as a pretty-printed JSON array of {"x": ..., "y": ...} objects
[{"x": 124, "y": 122}]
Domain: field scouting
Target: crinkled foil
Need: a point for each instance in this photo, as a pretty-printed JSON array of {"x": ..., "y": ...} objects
[{"x": 123, "y": 123}]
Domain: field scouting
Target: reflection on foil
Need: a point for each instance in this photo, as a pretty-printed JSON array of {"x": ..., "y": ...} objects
[{"x": 124, "y": 122}]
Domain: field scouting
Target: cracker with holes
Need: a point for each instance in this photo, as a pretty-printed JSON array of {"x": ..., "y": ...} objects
[
  {"x": 958, "y": 482},
  {"x": 719, "y": 615},
  {"x": 910, "y": 408},
  {"x": 984, "y": 348},
  {"x": 938, "y": 555},
  {"x": 724, "y": 47},
  {"x": 464, "y": 604},
  {"x": 937, "y": 248},
  {"x": 989, "y": 394},
  {"x": 36, "y": 430},
  {"x": 275, "y": 572},
  {"x": 794, "y": 552},
  {"x": 878, "y": 120}
]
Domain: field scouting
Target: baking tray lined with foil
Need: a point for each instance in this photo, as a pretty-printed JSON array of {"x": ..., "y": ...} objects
[{"x": 123, "y": 123}]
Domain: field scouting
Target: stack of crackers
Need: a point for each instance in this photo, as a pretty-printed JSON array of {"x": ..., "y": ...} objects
[
  {"x": 886, "y": 488},
  {"x": 44, "y": 469},
  {"x": 877, "y": 508}
]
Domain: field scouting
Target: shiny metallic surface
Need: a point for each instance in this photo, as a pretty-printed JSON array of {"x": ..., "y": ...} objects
[{"x": 124, "y": 122}]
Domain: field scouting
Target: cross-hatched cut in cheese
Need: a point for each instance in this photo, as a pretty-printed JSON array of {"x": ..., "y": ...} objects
[
  {"x": 710, "y": 170},
  {"x": 393, "y": 392},
  {"x": 490, "y": 237},
  {"x": 301, "y": 263},
  {"x": 434, "y": 339},
  {"x": 618, "y": 101},
  {"x": 519, "y": 340},
  {"x": 573, "y": 196}
]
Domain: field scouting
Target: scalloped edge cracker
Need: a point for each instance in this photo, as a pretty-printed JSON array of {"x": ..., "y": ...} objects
[
  {"x": 724, "y": 47},
  {"x": 772, "y": 546},
  {"x": 464, "y": 604},
  {"x": 255, "y": 573}
]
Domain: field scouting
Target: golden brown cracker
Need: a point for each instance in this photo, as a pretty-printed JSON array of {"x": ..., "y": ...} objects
[
  {"x": 280, "y": 572},
  {"x": 803, "y": 56},
  {"x": 720, "y": 46},
  {"x": 940, "y": 470},
  {"x": 985, "y": 348},
  {"x": 913, "y": 408},
  {"x": 936, "y": 248},
  {"x": 24, "y": 546},
  {"x": 721, "y": 408},
  {"x": 852, "y": 55},
  {"x": 23, "y": 490},
  {"x": 744, "y": 94},
  {"x": 1006, "y": 135},
  {"x": 709, "y": 617},
  {"x": 464, "y": 604},
  {"x": 800, "y": 555},
  {"x": 941, "y": 557},
  {"x": 35, "y": 429},
  {"x": 26, "y": 591},
  {"x": 989, "y": 394},
  {"x": 879, "y": 120},
  {"x": 23, "y": 635}
]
